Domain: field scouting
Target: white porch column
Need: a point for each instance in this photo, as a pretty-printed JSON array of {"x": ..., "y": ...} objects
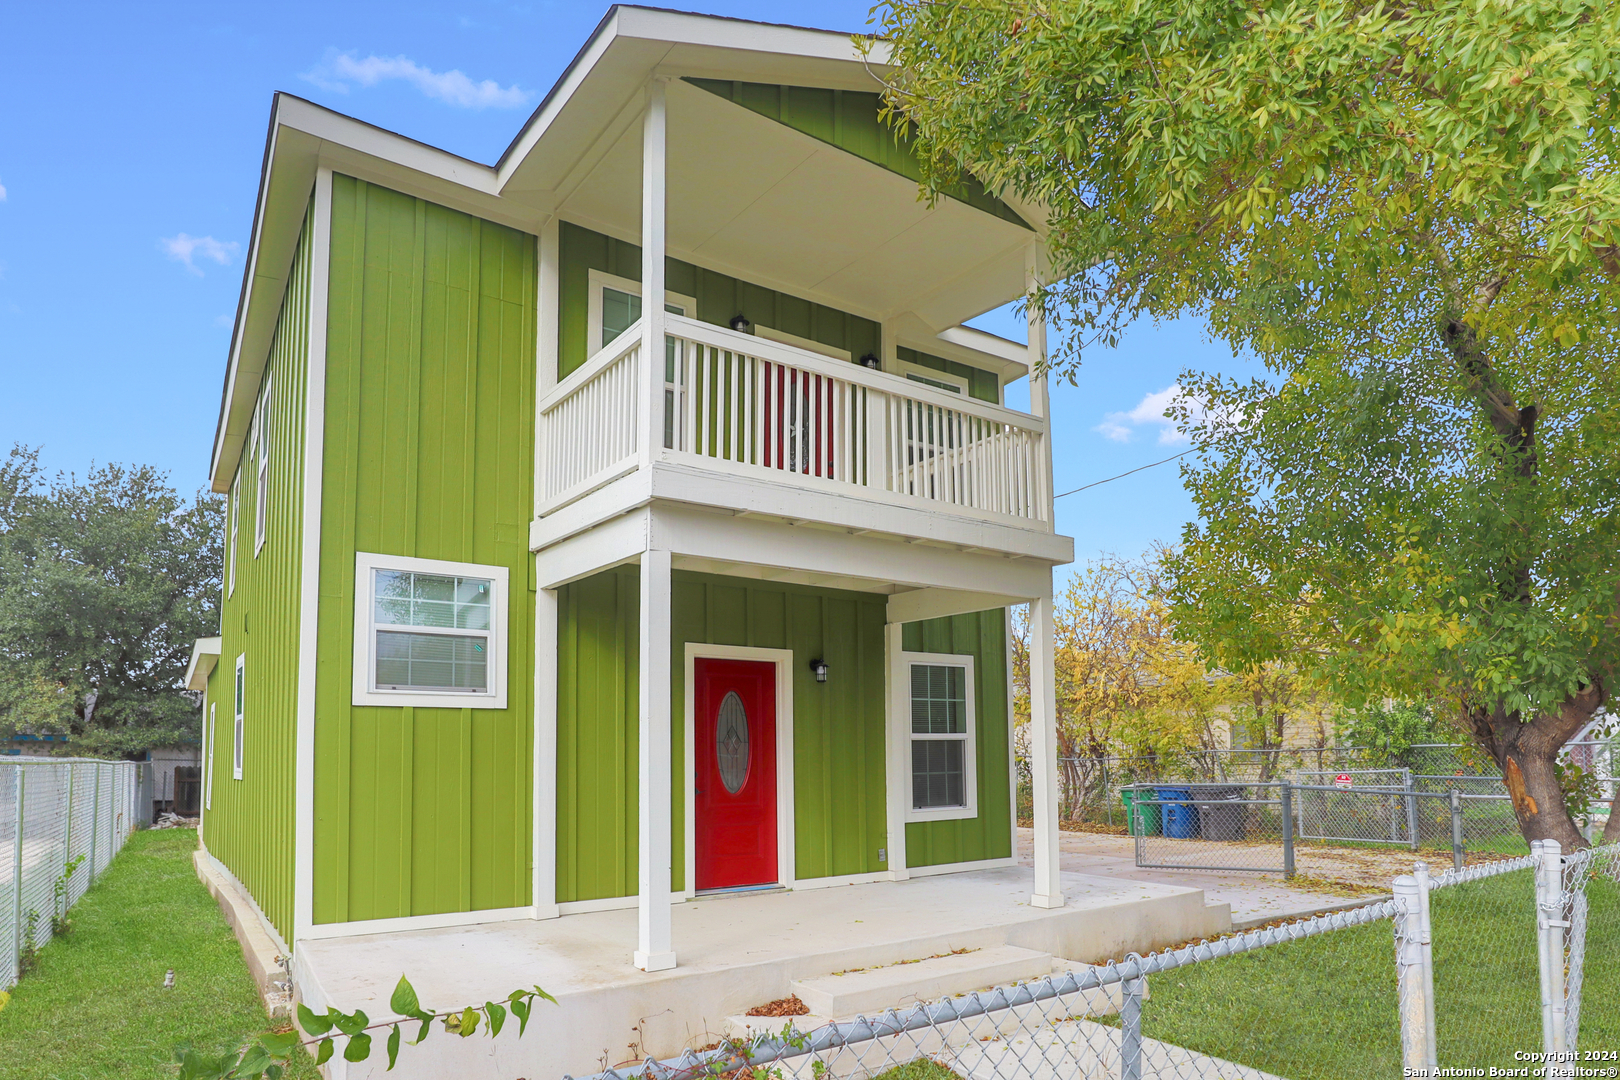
[
  {"x": 1040, "y": 402},
  {"x": 654, "y": 949},
  {"x": 652, "y": 272},
  {"x": 1043, "y": 754},
  {"x": 899, "y": 773},
  {"x": 545, "y": 754}
]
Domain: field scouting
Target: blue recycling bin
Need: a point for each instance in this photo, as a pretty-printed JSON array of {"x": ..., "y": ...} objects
[{"x": 1179, "y": 814}]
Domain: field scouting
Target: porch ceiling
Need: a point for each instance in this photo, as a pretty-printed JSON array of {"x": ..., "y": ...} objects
[{"x": 760, "y": 201}]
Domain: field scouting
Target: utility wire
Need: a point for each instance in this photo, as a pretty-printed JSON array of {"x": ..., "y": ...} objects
[{"x": 1122, "y": 475}]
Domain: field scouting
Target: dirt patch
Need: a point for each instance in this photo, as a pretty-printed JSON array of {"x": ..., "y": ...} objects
[{"x": 788, "y": 1006}]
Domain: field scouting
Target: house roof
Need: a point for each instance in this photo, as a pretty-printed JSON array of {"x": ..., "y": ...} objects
[
  {"x": 204, "y": 657},
  {"x": 747, "y": 195}
]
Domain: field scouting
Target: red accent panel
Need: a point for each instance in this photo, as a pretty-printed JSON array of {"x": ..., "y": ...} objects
[{"x": 736, "y": 832}]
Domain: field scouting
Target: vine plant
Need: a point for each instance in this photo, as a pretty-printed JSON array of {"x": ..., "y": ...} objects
[{"x": 266, "y": 1057}]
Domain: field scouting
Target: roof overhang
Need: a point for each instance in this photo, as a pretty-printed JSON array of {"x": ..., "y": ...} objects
[
  {"x": 204, "y": 658},
  {"x": 579, "y": 155}
]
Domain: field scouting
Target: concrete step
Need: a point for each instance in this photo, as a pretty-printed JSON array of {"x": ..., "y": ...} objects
[{"x": 873, "y": 990}]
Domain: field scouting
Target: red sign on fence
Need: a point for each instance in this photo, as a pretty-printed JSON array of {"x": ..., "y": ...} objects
[{"x": 1342, "y": 780}]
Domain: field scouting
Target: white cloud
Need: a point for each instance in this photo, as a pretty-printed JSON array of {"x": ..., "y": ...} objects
[
  {"x": 226, "y": 321},
  {"x": 2, "y": 193},
  {"x": 1150, "y": 412},
  {"x": 187, "y": 249},
  {"x": 339, "y": 70}
]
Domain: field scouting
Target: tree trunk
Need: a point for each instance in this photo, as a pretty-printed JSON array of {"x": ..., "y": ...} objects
[{"x": 1527, "y": 754}]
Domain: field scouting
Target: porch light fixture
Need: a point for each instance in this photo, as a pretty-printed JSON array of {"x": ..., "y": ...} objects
[
  {"x": 820, "y": 669},
  {"x": 870, "y": 361},
  {"x": 741, "y": 324}
]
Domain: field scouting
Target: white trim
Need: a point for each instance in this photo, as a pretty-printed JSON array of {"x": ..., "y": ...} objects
[
  {"x": 655, "y": 950},
  {"x": 265, "y": 924},
  {"x": 366, "y": 563},
  {"x": 783, "y": 659},
  {"x": 543, "y": 888},
  {"x": 239, "y": 712},
  {"x": 834, "y": 882},
  {"x": 322, "y": 931},
  {"x": 901, "y": 719},
  {"x": 782, "y": 337},
  {"x": 600, "y": 280},
  {"x": 309, "y": 585},
  {"x": 897, "y": 772},
  {"x": 962, "y": 867},
  {"x": 606, "y": 903},
  {"x": 204, "y": 657}
]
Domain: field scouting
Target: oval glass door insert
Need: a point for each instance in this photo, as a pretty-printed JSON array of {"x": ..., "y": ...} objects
[{"x": 731, "y": 742}]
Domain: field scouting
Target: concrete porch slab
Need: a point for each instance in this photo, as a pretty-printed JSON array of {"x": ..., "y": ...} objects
[{"x": 733, "y": 954}]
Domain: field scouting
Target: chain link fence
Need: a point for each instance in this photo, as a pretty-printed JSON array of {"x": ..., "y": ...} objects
[
  {"x": 1091, "y": 787},
  {"x": 1507, "y": 964},
  {"x": 61, "y": 823}
]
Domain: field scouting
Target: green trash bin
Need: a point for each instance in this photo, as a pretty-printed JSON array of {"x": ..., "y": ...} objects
[{"x": 1141, "y": 820}]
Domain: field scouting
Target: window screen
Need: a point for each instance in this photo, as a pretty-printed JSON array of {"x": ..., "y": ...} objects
[
  {"x": 939, "y": 736},
  {"x": 432, "y": 632}
]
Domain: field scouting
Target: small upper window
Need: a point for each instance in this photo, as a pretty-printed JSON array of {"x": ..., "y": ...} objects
[
  {"x": 237, "y": 728},
  {"x": 262, "y": 492},
  {"x": 236, "y": 513},
  {"x": 939, "y": 381},
  {"x": 429, "y": 633},
  {"x": 940, "y": 731}
]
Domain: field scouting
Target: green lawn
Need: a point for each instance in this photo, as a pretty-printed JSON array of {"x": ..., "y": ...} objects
[
  {"x": 95, "y": 1006},
  {"x": 1325, "y": 1008}
]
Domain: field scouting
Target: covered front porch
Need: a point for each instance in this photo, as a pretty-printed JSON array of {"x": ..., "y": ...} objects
[{"x": 736, "y": 952}]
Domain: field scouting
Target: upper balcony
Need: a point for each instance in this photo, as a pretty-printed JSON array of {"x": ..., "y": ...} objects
[{"x": 758, "y": 427}]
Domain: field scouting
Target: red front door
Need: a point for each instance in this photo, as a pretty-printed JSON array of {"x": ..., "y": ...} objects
[{"x": 735, "y": 770}]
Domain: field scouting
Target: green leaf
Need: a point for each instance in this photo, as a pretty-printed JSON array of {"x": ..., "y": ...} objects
[
  {"x": 393, "y": 1045},
  {"x": 404, "y": 1001},
  {"x": 352, "y": 1024},
  {"x": 359, "y": 1048},
  {"x": 427, "y": 1026},
  {"x": 323, "y": 1052},
  {"x": 520, "y": 1009},
  {"x": 279, "y": 1044},
  {"x": 497, "y": 1017},
  {"x": 541, "y": 993},
  {"x": 469, "y": 1021},
  {"x": 253, "y": 1062},
  {"x": 311, "y": 1022},
  {"x": 274, "y": 1072}
]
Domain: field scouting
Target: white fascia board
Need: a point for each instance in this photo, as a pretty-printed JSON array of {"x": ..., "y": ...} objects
[
  {"x": 702, "y": 46},
  {"x": 986, "y": 350},
  {"x": 204, "y": 655}
]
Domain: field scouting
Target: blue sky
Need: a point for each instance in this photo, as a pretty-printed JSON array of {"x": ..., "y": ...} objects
[{"x": 131, "y": 138}]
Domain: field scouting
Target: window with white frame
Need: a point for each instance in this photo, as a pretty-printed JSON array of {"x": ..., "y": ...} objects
[
  {"x": 212, "y": 740},
  {"x": 614, "y": 305},
  {"x": 939, "y": 380},
  {"x": 237, "y": 728},
  {"x": 429, "y": 633},
  {"x": 940, "y": 732},
  {"x": 236, "y": 513},
  {"x": 262, "y": 492}
]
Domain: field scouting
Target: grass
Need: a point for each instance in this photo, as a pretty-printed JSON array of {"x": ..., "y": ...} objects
[
  {"x": 94, "y": 1006},
  {"x": 1325, "y": 1008}
]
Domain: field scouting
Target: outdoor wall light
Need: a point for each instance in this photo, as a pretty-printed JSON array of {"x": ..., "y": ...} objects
[
  {"x": 820, "y": 669},
  {"x": 870, "y": 361},
  {"x": 741, "y": 324}
]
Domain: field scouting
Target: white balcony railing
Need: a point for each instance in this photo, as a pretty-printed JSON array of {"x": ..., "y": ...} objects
[{"x": 740, "y": 404}]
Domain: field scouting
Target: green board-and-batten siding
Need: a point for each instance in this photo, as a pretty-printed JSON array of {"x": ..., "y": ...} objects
[
  {"x": 719, "y": 298},
  {"x": 982, "y": 634},
  {"x": 838, "y": 726},
  {"x": 248, "y": 824},
  {"x": 851, "y": 120},
  {"x": 429, "y": 443}
]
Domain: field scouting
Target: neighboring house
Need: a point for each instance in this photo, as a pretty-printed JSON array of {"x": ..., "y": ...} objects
[{"x": 542, "y": 600}]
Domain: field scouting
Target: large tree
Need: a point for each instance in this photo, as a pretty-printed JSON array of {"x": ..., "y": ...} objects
[
  {"x": 105, "y": 583},
  {"x": 1410, "y": 213}
]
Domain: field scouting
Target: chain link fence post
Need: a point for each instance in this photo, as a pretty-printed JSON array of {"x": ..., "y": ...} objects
[
  {"x": 1130, "y": 1028},
  {"x": 1420, "y": 874},
  {"x": 1411, "y": 812},
  {"x": 1456, "y": 830},
  {"x": 16, "y": 876},
  {"x": 1550, "y": 928},
  {"x": 1416, "y": 1002},
  {"x": 1287, "y": 799}
]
